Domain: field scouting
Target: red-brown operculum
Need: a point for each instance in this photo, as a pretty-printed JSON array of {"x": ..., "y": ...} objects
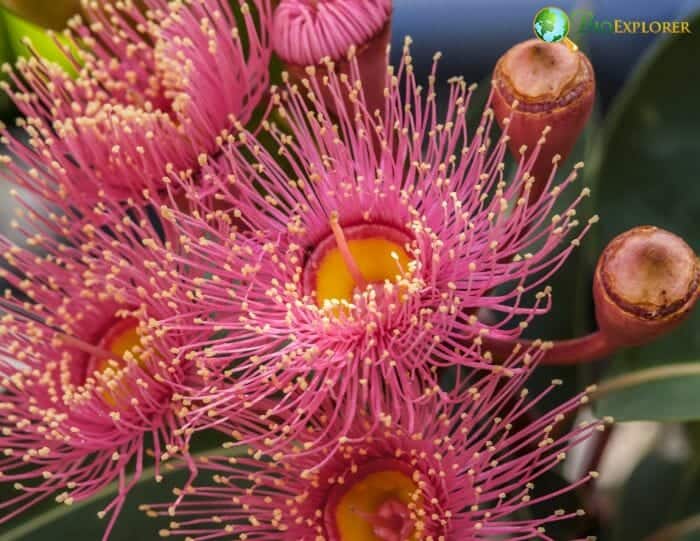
[
  {"x": 372, "y": 61},
  {"x": 554, "y": 87},
  {"x": 647, "y": 281}
]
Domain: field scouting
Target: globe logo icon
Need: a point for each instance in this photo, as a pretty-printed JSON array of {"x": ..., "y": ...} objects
[{"x": 551, "y": 24}]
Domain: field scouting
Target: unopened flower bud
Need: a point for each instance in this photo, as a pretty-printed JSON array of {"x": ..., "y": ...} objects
[
  {"x": 309, "y": 32},
  {"x": 647, "y": 281},
  {"x": 543, "y": 88}
]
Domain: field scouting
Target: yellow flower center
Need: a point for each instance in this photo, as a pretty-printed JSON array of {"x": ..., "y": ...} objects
[
  {"x": 380, "y": 506},
  {"x": 123, "y": 342},
  {"x": 355, "y": 257},
  {"x": 378, "y": 260}
]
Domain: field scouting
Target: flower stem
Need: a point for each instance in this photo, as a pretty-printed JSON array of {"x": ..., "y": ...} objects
[{"x": 585, "y": 349}]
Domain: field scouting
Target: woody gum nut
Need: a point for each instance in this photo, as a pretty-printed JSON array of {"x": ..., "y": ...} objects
[
  {"x": 554, "y": 87},
  {"x": 647, "y": 281}
]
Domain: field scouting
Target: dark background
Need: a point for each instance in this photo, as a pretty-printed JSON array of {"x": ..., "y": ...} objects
[{"x": 472, "y": 34}]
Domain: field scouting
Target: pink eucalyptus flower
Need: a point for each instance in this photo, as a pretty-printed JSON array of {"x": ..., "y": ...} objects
[
  {"x": 449, "y": 471},
  {"x": 87, "y": 375},
  {"x": 152, "y": 89},
  {"x": 362, "y": 262}
]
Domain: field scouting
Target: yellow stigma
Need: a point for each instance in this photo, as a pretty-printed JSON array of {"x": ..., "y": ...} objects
[
  {"x": 377, "y": 259},
  {"x": 356, "y": 509},
  {"x": 124, "y": 343}
]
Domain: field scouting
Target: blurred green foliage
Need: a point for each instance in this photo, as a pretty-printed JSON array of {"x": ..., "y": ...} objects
[
  {"x": 17, "y": 29},
  {"x": 6, "y": 56},
  {"x": 660, "y": 493},
  {"x": 645, "y": 171}
]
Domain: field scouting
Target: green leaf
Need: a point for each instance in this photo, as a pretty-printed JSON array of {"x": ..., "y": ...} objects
[
  {"x": 645, "y": 162},
  {"x": 692, "y": 432},
  {"x": 650, "y": 390},
  {"x": 659, "y": 493},
  {"x": 79, "y": 521},
  {"x": 644, "y": 169},
  {"x": 6, "y": 56},
  {"x": 18, "y": 28}
]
